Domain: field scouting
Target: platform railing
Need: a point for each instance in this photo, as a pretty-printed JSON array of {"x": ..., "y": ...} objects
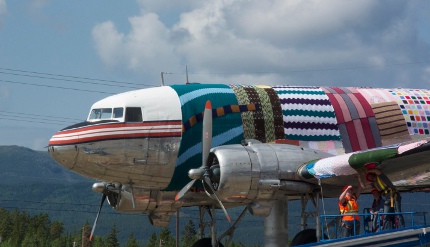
[{"x": 331, "y": 223}]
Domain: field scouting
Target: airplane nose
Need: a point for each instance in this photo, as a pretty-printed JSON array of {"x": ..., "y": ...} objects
[{"x": 64, "y": 155}]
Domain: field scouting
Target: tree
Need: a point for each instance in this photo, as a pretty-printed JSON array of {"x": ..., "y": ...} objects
[
  {"x": 189, "y": 234},
  {"x": 153, "y": 240},
  {"x": 166, "y": 238},
  {"x": 98, "y": 242},
  {"x": 56, "y": 230},
  {"x": 112, "y": 240},
  {"x": 132, "y": 242},
  {"x": 19, "y": 225},
  {"x": 5, "y": 224}
]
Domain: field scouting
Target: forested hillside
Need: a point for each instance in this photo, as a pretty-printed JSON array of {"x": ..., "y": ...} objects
[{"x": 34, "y": 184}]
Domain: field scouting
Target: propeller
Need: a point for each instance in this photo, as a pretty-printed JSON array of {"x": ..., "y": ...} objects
[
  {"x": 204, "y": 172},
  {"x": 97, "y": 217}
]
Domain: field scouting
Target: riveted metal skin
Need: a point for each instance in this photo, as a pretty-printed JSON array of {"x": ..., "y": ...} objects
[
  {"x": 150, "y": 163},
  {"x": 261, "y": 171}
]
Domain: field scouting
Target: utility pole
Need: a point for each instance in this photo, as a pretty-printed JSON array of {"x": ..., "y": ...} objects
[
  {"x": 86, "y": 231},
  {"x": 177, "y": 224}
]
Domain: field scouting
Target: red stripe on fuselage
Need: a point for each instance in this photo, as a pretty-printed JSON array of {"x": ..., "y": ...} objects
[{"x": 110, "y": 131}]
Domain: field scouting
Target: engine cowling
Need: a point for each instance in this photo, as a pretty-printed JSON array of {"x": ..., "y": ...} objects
[{"x": 261, "y": 171}]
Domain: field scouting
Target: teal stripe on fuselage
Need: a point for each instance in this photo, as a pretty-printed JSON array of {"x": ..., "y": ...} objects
[
  {"x": 226, "y": 129},
  {"x": 216, "y": 141}
]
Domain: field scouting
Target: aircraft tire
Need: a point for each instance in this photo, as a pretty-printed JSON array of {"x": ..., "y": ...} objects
[
  {"x": 205, "y": 242},
  {"x": 306, "y": 236}
]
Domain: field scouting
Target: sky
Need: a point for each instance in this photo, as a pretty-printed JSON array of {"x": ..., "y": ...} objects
[{"x": 59, "y": 57}]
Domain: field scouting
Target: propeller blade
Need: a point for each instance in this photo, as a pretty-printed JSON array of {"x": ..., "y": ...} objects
[
  {"x": 184, "y": 190},
  {"x": 208, "y": 183},
  {"x": 97, "y": 217},
  {"x": 207, "y": 132}
]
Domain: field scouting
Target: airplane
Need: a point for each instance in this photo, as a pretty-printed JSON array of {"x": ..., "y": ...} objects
[{"x": 219, "y": 146}]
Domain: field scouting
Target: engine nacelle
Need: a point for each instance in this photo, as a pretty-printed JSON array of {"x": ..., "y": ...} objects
[{"x": 262, "y": 171}]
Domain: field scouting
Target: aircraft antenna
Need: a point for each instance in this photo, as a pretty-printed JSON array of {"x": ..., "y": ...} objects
[
  {"x": 186, "y": 73},
  {"x": 162, "y": 77}
]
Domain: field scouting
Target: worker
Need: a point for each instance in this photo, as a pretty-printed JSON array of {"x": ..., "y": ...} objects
[
  {"x": 348, "y": 207},
  {"x": 377, "y": 207},
  {"x": 383, "y": 184}
]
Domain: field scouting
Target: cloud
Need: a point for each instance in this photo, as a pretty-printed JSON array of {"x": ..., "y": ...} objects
[
  {"x": 4, "y": 92},
  {"x": 293, "y": 40},
  {"x": 3, "y": 7},
  {"x": 146, "y": 48},
  {"x": 3, "y": 10},
  {"x": 39, "y": 4}
]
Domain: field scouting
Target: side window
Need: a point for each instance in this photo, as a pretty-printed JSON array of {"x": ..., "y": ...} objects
[
  {"x": 106, "y": 113},
  {"x": 133, "y": 114},
  {"x": 103, "y": 113},
  {"x": 95, "y": 113},
  {"x": 118, "y": 112}
]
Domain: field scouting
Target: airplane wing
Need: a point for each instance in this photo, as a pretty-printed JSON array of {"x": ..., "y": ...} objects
[{"x": 406, "y": 164}]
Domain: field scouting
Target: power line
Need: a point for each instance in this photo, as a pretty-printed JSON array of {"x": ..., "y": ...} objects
[
  {"x": 31, "y": 121},
  {"x": 86, "y": 82},
  {"x": 26, "y": 118},
  {"x": 307, "y": 70},
  {"x": 38, "y": 115},
  {"x": 67, "y": 88},
  {"x": 68, "y": 76}
]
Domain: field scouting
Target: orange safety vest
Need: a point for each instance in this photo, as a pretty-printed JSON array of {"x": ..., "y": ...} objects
[{"x": 348, "y": 208}]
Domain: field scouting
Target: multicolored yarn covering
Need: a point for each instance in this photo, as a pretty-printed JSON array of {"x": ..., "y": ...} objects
[
  {"x": 264, "y": 124},
  {"x": 376, "y": 95},
  {"x": 227, "y": 129},
  {"x": 308, "y": 114},
  {"x": 415, "y": 106},
  {"x": 356, "y": 120},
  {"x": 218, "y": 112},
  {"x": 349, "y": 164},
  {"x": 331, "y": 147},
  {"x": 340, "y": 121},
  {"x": 391, "y": 123}
]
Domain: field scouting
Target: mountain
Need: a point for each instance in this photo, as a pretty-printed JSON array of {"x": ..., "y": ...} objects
[
  {"x": 20, "y": 164},
  {"x": 34, "y": 182}
]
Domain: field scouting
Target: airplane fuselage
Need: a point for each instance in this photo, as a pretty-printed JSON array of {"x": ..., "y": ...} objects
[{"x": 151, "y": 138}]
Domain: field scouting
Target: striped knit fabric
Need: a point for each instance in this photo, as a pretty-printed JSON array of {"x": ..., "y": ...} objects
[
  {"x": 391, "y": 122},
  {"x": 264, "y": 124},
  {"x": 376, "y": 95},
  {"x": 357, "y": 123},
  {"x": 307, "y": 114},
  {"x": 227, "y": 129}
]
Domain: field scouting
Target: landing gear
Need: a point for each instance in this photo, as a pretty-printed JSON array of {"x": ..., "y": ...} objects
[
  {"x": 205, "y": 242},
  {"x": 210, "y": 242},
  {"x": 306, "y": 236}
]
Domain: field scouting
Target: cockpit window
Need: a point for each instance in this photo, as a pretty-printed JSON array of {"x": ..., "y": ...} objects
[
  {"x": 118, "y": 112},
  {"x": 106, "y": 113},
  {"x": 133, "y": 114},
  {"x": 103, "y": 113}
]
